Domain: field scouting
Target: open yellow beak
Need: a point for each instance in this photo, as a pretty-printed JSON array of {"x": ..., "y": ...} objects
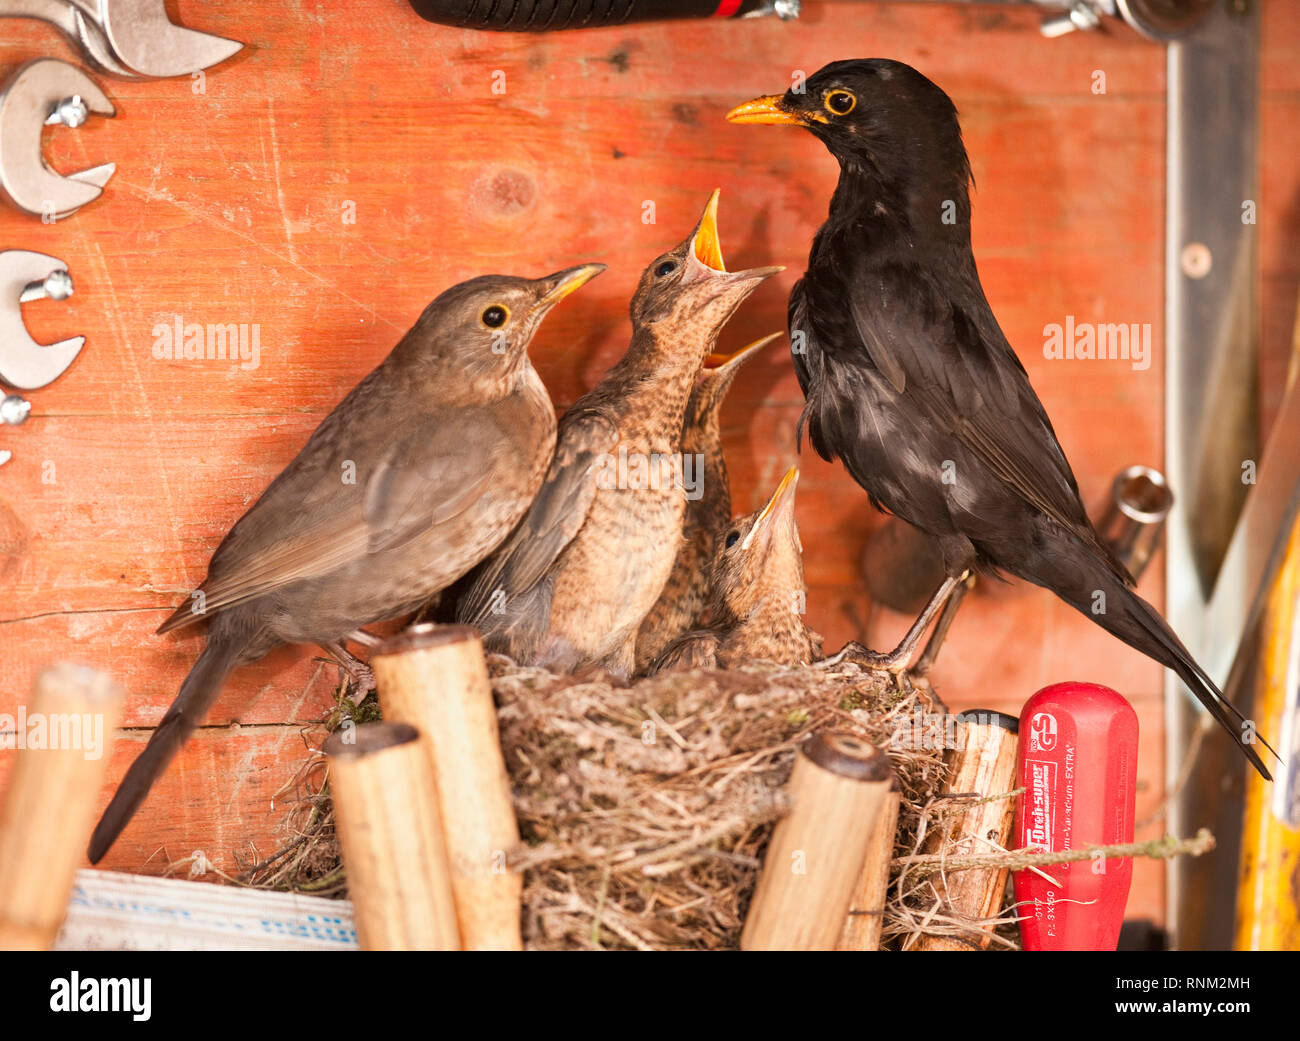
[
  {"x": 767, "y": 109},
  {"x": 720, "y": 361},
  {"x": 787, "y": 484},
  {"x": 706, "y": 244}
]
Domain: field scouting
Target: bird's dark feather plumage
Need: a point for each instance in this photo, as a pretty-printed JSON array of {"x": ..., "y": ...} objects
[{"x": 909, "y": 380}]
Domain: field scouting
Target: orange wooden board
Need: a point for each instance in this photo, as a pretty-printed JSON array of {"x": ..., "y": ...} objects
[{"x": 230, "y": 205}]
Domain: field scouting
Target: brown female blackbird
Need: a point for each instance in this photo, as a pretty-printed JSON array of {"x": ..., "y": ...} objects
[
  {"x": 680, "y": 607},
  {"x": 574, "y": 581},
  {"x": 414, "y": 478},
  {"x": 909, "y": 380},
  {"x": 756, "y": 596}
]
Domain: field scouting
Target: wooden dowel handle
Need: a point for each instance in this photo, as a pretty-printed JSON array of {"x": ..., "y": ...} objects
[
  {"x": 386, "y": 811},
  {"x": 66, "y": 732},
  {"x": 838, "y": 787},
  {"x": 866, "y": 915},
  {"x": 982, "y": 764},
  {"x": 435, "y": 678}
]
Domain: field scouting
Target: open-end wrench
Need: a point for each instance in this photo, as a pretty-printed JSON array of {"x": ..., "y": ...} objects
[
  {"x": 133, "y": 38},
  {"x": 41, "y": 92},
  {"x": 13, "y": 411},
  {"x": 73, "y": 23},
  {"x": 144, "y": 38},
  {"x": 24, "y": 363}
]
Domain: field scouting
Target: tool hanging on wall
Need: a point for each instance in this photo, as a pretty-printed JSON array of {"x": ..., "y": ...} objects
[
  {"x": 24, "y": 363},
  {"x": 538, "y": 16},
  {"x": 132, "y": 38},
  {"x": 26, "y": 276},
  {"x": 13, "y": 412},
  {"x": 1154, "y": 19},
  {"x": 1159, "y": 20},
  {"x": 43, "y": 93},
  {"x": 1134, "y": 521}
]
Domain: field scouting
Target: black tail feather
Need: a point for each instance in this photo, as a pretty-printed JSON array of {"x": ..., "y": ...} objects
[{"x": 1074, "y": 573}]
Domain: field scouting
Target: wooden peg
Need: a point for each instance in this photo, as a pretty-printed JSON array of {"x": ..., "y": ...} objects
[
  {"x": 386, "y": 809},
  {"x": 838, "y": 788},
  {"x": 867, "y": 905},
  {"x": 435, "y": 678},
  {"x": 982, "y": 764},
  {"x": 49, "y": 806}
]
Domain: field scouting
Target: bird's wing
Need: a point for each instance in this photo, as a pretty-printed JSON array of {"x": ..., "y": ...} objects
[
  {"x": 693, "y": 650},
  {"x": 947, "y": 357},
  {"x": 334, "y": 506},
  {"x": 554, "y": 518}
]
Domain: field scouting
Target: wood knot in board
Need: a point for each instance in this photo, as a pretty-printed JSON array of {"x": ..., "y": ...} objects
[
  {"x": 14, "y": 538},
  {"x": 505, "y": 194}
]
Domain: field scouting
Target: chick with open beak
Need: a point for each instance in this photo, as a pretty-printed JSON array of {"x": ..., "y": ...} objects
[
  {"x": 757, "y": 595},
  {"x": 573, "y": 583},
  {"x": 681, "y": 606}
]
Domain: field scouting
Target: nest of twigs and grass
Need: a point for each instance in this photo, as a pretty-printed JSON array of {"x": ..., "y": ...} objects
[{"x": 644, "y": 809}]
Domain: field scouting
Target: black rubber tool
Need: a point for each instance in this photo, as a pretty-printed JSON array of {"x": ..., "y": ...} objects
[{"x": 550, "y": 15}]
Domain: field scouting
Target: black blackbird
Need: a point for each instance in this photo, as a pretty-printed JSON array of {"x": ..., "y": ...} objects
[
  {"x": 909, "y": 380},
  {"x": 416, "y": 476}
]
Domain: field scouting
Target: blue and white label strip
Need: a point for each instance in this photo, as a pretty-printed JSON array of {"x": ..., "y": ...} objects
[{"x": 109, "y": 911}]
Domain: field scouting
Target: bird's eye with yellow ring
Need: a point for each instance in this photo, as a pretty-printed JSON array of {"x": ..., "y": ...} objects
[
  {"x": 839, "y": 102},
  {"x": 495, "y": 316}
]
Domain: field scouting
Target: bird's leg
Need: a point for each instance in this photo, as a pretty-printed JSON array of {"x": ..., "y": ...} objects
[
  {"x": 896, "y": 661},
  {"x": 357, "y": 671},
  {"x": 931, "y": 653}
]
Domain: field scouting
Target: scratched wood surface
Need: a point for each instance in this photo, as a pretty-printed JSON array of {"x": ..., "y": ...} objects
[{"x": 234, "y": 202}]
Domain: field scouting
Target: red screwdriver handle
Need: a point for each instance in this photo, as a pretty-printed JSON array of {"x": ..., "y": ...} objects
[{"x": 1078, "y": 766}]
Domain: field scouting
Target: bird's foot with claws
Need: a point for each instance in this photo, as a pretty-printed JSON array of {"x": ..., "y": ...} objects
[
  {"x": 359, "y": 674},
  {"x": 363, "y": 679},
  {"x": 895, "y": 662}
]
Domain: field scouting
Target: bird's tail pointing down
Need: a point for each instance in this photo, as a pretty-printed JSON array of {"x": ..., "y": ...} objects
[
  {"x": 196, "y": 697},
  {"x": 1075, "y": 573}
]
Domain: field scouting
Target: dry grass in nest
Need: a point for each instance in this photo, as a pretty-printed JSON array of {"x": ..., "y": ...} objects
[{"x": 645, "y": 809}]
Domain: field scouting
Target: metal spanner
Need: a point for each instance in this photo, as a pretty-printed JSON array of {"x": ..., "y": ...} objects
[
  {"x": 25, "y": 276},
  {"x": 24, "y": 363},
  {"x": 132, "y": 38},
  {"x": 43, "y": 92}
]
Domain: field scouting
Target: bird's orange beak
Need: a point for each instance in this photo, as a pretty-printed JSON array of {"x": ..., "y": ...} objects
[
  {"x": 704, "y": 262},
  {"x": 767, "y": 109},
  {"x": 781, "y": 503},
  {"x": 706, "y": 244},
  {"x": 722, "y": 361}
]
